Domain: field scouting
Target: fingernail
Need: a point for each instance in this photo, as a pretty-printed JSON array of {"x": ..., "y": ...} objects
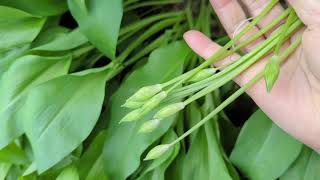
[{"x": 220, "y": 3}]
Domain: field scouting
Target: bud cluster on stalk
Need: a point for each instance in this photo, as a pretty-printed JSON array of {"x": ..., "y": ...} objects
[{"x": 202, "y": 80}]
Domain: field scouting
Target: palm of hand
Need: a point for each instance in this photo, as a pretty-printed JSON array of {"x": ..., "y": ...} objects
[{"x": 294, "y": 102}]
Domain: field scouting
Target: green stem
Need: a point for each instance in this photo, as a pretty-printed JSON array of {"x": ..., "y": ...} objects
[
  {"x": 134, "y": 27},
  {"x": 128, "y": 2},
  {"x": 239, "y": 92},
  {"x": 148, "y": 33},
  {"x": 292, "y": 17},
  {"x": 234, "y": 70},
  {"x": 220, "y": 107},
  {"x": 155, "y": 44},
  {"x": 79, "y": 52},
  {"x": 151, "y": 3},
  {"x": 224, "y": 52}
]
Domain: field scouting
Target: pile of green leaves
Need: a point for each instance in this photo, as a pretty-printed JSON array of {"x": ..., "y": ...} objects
[{"x": 67, "y": 66}]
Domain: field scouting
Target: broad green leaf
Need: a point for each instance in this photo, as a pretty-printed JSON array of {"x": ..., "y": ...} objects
[
  {"x": 123, "y": 149},
  {"x": 204, "y": 160},
  {"x": 17, "y": 27},
  {"x": 8, "y": 57},
  {"x": 25, "y": 73},
  {"x": 13, "y": 154},
  {"x": 156, "y": 170},
  {"x": 92, "y": 155},
  {"x": 69, "y": 173},
  {"x": 306, "y": 166},
  {"x": 100, "y": 21},
  {"x": 59, "y": 114},
  {"x": 31, "y": 169},
  {"x": 175, "y": 170},
  {"x": 97, "y": 171},
  {"x": 4, "y": 169},
  {"x": 49, "y": 34},
  {"x": 64, "y": 42},
  {"x": 263, "y": 150},
  {"x": 38, "y": 7}
]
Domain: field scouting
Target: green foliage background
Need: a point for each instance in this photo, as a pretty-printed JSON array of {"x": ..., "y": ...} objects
[{"x": 67, "y": 66}]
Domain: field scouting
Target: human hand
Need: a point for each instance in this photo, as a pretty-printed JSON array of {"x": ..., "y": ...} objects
[{"x": 294, "y": 103}]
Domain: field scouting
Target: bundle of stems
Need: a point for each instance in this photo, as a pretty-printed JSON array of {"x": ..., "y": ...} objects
[{"x": 204, "y": 79}]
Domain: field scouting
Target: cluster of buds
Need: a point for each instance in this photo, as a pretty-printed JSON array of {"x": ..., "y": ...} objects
[
  {"x": 145, "y": 100},
  {"x": 202, "y": 80}
]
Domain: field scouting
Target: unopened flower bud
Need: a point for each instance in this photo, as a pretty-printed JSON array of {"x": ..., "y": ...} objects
[
  {"x": 146, "y": 93},
  {"x": 169, "y": 110},
  {"x": 149, "y": 126},
  {"x": 132, "y": 116},
  {"x": 203, "y": 74},
  {"x": 154, "y": 102},
  {"x": 271, "y": 72},
  {"x": 132, "y": 104},
  {"x": 157, "y": 151}
]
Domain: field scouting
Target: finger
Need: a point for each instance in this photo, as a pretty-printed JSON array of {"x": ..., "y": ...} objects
[
  {"x": 231, "y": 16},
  {"x": 255, "y": 7},
  {"x": 307, "y": 10},
  {"x": 205, "y": 48}
]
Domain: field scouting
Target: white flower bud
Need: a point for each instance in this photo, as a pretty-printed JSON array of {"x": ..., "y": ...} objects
[
  {"x": 146, "y": 93},
  {"x": 169, "y": 110},
  {"x": 149, "y": 126},
  {"x": 154, "y": 102},
  {"x": 157, "y": 151},
  {"x": 271, "y": 72},
  {"x": 132, "y": 116},
  {"x": 132, "y": 104}
]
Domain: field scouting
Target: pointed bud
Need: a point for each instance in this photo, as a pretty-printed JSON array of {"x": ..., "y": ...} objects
[
  {"x": 132, "y": 116},
  {"x": 169, "y": 110},
  {"x": 203, "y": 74},
  {"x": 157, "y": 151},
  {"x": 271, "y": 72},
  {"x": 132, "y": 104},
  {"x": 154, "y": 102},
  {"x": 146, "y": 93},
  {"x": 149, "y": 126}
]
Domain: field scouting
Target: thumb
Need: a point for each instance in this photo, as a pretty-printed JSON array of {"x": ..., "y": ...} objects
[
  {"x": 311, "y": 40},
  {"x": 307, "y": 10},
  {"x": 309, "y": 13}
]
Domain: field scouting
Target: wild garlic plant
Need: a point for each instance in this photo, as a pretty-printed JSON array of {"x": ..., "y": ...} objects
[{"x": 179, "y": 92}]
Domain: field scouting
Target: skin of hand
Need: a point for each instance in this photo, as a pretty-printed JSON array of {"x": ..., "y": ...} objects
[{"x": 294, "y": 103}]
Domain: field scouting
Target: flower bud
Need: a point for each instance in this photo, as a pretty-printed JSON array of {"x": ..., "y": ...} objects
[
  {"x": 149, "y": 126},
  {"x": 157, "y": 151},
  {"x": 169, "y": 110},
  {"x": 132, "y": 116},
  {"x": 132, "y": 104},
  {"x": 154, "y": 102},
  {"x": 271, "y": 72},
  {"x": 146, "y": 93},
  {"x": 203, "y": 74}
]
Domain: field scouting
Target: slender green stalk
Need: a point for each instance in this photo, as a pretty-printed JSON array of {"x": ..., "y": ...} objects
[
  {"x": 239, "y": 92},
  {"x": 134, "y": 27},
  {"x": 79, "y": 52},
  {"x": 232, "y": 71},
  {"x": 151, "y": 3},
  {"x": 151, "y": 31},
  {"x": 292, "y": 18},
  {"x": 155, "y": 44},
  {"x": 223, "y": 52},
  {"x": 128, "y": 2},
  {"x": 219, "y": 108}
]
